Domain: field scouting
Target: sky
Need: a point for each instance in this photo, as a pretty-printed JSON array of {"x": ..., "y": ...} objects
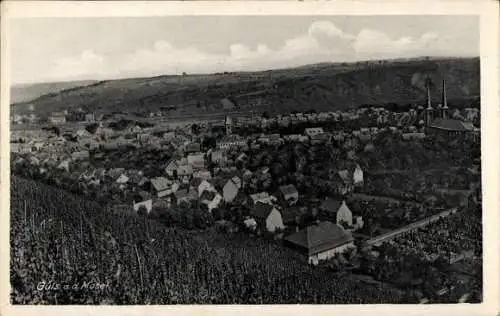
[{"x": 63, "y": 49}]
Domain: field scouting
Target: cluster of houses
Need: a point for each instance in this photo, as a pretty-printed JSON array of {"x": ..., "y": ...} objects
[{"x": 187, "y": 178}]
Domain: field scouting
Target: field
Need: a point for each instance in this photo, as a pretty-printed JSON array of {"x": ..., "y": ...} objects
[
  {"x": 323, "y": 87},
  {"x": 63, "y": 240}
]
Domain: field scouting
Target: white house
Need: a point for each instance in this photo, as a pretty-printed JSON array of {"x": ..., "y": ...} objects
[
  {"x": 231, "y": 188},
  {"x": 344, "y": 214},
  {"x": 64, "y": 165},
  {"x": 185, "y": 170},
  {"x": 196, "y": 160},
  {"x": 148, "y": 204},
  {"x": 122, "y": 179},
  {"x": 82, "y": 133},
  {"x": 268, "y": 217},
  {"x": 231, "y": 141},
  {"x": 263, "y": 197},
  {"x": 211, "y": 199},
  {"x": 357, "y": 176},
  {"x": 205, "y": 175},
  {"x": 250, "y": 223},
  {"x": 205, "y": 186}
]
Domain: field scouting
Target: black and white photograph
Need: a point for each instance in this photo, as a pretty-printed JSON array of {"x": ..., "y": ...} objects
[{"x": 245, "y": 159}]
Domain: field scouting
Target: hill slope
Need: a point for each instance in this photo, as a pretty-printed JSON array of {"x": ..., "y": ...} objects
[
  {"x": 28, "y": 92},
  {"x": 322, "y": 87},
  {"x": 60, "y": 237}
]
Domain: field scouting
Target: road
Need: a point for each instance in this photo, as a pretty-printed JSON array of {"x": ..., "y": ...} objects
[{"x": 413, "y": 226}]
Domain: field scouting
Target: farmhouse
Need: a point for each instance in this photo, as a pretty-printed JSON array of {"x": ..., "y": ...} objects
[
  {"x": 320, "y": 242},
  {"x": 267, "y": 217}
]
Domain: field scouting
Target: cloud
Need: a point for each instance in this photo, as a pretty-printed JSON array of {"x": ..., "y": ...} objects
[
  {"x": 326, "y": 28},
  {"x": 376, "y": 44},
  {"x": 87, "y": 64},
  {"x": 323, "y": 41}
]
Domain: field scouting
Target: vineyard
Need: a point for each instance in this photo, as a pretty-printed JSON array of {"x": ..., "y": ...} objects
[
  {"x": 60, "y": 238},
  {"x": 410, "y": 259}
]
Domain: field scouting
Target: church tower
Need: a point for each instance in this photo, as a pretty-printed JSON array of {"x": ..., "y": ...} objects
[
  {"x": 444, "y": 102},
  {"x": 429, "y": 111}
]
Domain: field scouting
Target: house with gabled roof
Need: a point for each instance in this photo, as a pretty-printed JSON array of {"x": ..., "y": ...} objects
[
  {"x": 64, "y": 165},
  {"x": 199, "y": 185},
  {"x": 217, "y": 156},
  {"x": 313, "y": 131},
  {"x": 183, "y": 195},
  {"x": 357, "y": 176},
  {"x": 450, "y": 127},
  {"x": 227, "y": 104},
  {"x": 171, "y": 167},
  {"x": 87, "y": 175},
  {"x": 321, "y": 242},
  {"x": 197, "y": 161},
  {"x": 82, "y": 133},
  {"x": 263, "y": 197},
  {"x": 330, "y": 206},
  {"x": 193, "y": 148},
  {"x": 268, "y": 217},
  {"x": 162, "y": 186},
  {"x": 231, "y": 189},
  {"x": 289, "y": 194},
  {"x": 184, "y": 170},
  {"x": 292, "y": 215},
  {"x": 122, "y": 179},
  {"x": 211, "y": 199},
  {"x": 139, "y": 201},
  {"x": 344, "y": 215}
]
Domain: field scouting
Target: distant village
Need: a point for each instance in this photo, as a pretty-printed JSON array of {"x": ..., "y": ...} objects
[{"x": 227, "y": 163}]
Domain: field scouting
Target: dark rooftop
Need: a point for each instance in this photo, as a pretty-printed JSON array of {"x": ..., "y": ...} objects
[{"x": 319, "y": 238}]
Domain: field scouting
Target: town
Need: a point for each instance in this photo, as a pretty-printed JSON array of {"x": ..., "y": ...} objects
[{"x": 366, "y": 189}]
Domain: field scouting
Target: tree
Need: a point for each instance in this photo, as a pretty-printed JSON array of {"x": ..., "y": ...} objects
[
  {"x": 218, "y": 213},
  {"x": 195, "y": 129},
  {"x": 209, "y": 142},
  {"x": 92, "y": 128},
  {"x": 142, "y": 211}
]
